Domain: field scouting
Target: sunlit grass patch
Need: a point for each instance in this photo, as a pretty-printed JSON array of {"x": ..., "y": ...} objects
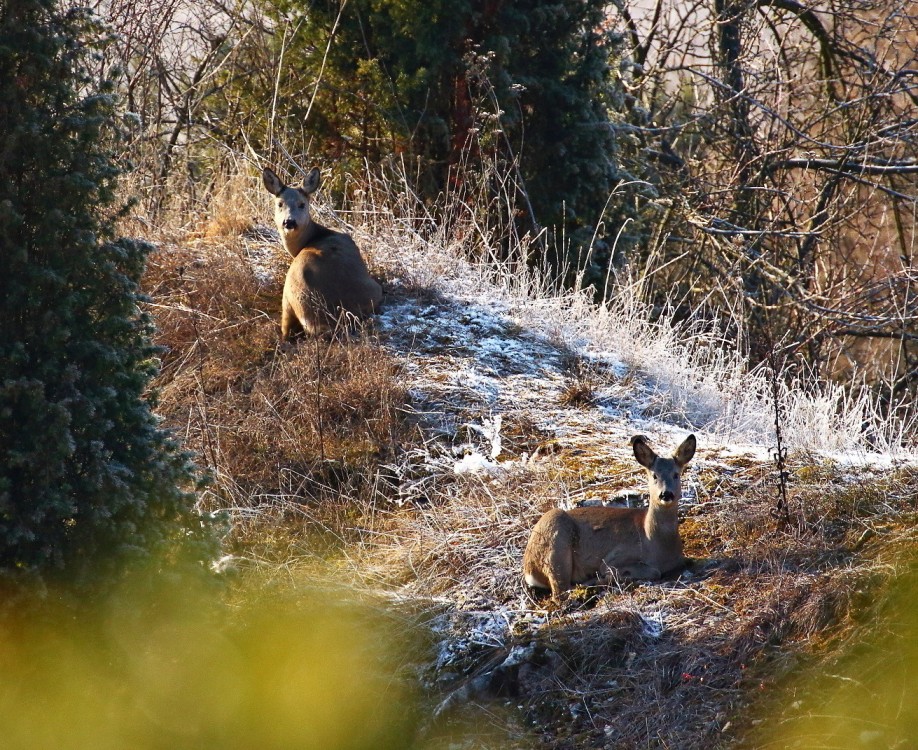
[{"x": 337, "y": 462}]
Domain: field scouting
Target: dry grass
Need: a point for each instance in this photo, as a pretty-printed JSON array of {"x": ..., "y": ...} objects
[
  {"x": 676, "y": 664},
  {"x": 336, "y": 459},
  {"x": 580, "y": 382},
  {"x": 281, "y": 431}
]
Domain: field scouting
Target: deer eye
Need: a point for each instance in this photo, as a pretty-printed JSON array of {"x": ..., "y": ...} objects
[
  {"x": 302, "y": 205},
  {"x": 654, "y": 474},
  {"x": 676, "y": 474}
]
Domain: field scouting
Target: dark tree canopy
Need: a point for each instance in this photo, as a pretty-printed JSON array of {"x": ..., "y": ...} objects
[{"x": 455, "y": 89}]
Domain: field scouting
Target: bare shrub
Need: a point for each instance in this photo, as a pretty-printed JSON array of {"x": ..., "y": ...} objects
[
  {"x": 580, "y": 382},
  {"x": 779, "y": 138}
]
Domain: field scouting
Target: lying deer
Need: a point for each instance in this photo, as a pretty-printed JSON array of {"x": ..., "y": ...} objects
[
  {"x": 599, "y": 543},
  {"x": 328, "y": 276}
]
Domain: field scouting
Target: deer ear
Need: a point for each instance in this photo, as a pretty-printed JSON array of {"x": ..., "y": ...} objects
[
  {"x": 642, "y": 451},
  {"x": 311, "y": 183},
  {"x": 272, "y": 182},
  {"x": 685, "y": 451}
]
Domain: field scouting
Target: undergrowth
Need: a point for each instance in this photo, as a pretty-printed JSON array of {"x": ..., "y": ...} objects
[{"x": 337, "y": 460}]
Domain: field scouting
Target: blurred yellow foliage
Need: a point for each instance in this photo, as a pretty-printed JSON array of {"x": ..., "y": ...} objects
[
  {"x": 179, "y": 669},
  {"x": 867, "y": 695}
]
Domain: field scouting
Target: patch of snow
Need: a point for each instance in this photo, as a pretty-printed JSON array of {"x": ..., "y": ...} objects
[
  {"x": 467, "y": 630},
  {"x": 652, "y": 626},
  {"x": 475, "y": 463},
  {"x": 519, "y": 654},
  {"x": 490, "y": 430},
  {"x": 262, "y": 245},
  {"x": 501, "y": 323}
]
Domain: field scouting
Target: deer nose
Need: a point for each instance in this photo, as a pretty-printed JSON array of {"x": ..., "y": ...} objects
[
  {"x": 667, "y": 496},
  {"x": 289, "y": 223}
]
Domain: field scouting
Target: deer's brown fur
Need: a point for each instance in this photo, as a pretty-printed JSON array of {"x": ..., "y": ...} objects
[
  {"x": 597, "y": 543},
  {"x": 328, "y": 277}
]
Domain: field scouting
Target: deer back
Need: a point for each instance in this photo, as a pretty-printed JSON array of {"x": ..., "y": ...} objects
[
  {"x": 607, "y": 537},
  {"x": 329, "y": 272}
]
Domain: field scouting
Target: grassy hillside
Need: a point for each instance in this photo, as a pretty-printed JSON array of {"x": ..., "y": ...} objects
[{"x": 409, "y": 463}]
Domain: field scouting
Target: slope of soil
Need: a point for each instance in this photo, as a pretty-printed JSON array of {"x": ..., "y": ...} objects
[{"x": 460, "y": 415}]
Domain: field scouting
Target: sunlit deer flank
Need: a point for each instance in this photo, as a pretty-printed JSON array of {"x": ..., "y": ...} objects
[
  {"x": 596, "y": 544},
  {"x": 328, "y": 276}
]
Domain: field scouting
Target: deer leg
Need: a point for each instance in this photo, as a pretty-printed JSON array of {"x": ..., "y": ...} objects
[
  {"x": 560, "y": 570},
  {"x": 290, "y": 322},
  {"x": 287, "y": 319}
]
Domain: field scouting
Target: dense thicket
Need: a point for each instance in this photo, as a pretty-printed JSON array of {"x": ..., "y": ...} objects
[
  {"x": 88, "y": 480},
  {"x": 782, "y": 138},
  {"x": 519, "y": 89},
  {"x": 754, "y": 159}
]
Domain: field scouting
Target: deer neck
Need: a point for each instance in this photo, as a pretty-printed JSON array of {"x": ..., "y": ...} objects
[
  {"x": 661, "y": 521},
  {"x": 303, "y": 238}
]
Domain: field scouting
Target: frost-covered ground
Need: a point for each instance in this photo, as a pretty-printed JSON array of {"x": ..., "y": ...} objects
[
  {"x": 486, "y": 349},
  {"x": 503, "y": 340},
  {"x": 511, "y": 384}
]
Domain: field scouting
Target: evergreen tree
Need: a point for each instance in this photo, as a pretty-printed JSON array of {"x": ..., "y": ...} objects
[
  {"x": 423, "y": 77},
  {"x": 88, "y": 480},
  {"x": 549, "y": 64}
]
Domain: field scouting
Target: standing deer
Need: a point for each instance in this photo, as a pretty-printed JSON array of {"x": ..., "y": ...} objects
[
  {"x": 597, "y": 543},
  {"x": 328, "y": 276}
]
